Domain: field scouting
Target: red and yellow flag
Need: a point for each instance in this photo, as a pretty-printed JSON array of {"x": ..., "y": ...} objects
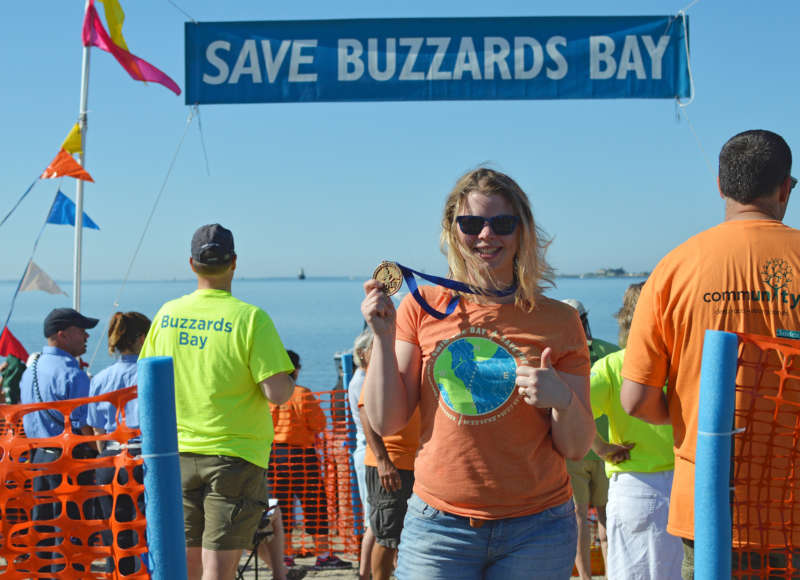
[{"x": 95, "y": 35}]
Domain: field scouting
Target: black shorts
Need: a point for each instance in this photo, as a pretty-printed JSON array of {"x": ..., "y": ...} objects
[
  {"x": 387, "y": 510},
  {"x": 295, "y": 472}
]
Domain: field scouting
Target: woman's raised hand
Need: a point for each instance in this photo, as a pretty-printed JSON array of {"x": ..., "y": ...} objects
[{"x": 377, "y": 308}]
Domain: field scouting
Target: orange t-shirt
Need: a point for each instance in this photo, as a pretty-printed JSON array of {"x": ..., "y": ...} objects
[
  {"x": 738, "y": 277},
  {"x": 484, "y": 452},
  {"x": 299, "y": 419},
  {"x": 401, "y": 447}
]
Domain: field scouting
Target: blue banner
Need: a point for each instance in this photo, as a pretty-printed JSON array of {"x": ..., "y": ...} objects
[{"x": 605, "y": 57}]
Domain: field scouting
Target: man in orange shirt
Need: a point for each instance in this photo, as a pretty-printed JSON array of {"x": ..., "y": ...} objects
[
  {"x": 295, "y": 469},
  {"x": 736, "y": 276},
  {"x": 390, "y": 479}
]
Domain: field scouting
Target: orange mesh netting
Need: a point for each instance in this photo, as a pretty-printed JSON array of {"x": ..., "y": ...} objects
[
  {"x": 766, "y": 466},
  {"x": 315, "y": 486},
  {"x": 71, "y": 541}
]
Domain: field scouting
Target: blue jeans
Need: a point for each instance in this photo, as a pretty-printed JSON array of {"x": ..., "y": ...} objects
[{"x": 440, "y": 546}]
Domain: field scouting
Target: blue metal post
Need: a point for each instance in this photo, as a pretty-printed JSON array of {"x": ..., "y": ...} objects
[
  {"x": 162, "y": 477},
  {"x": 712, "y": 510}
]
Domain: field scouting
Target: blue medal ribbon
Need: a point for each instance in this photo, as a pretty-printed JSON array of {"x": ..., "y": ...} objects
[{"x": 411, "y": 282}]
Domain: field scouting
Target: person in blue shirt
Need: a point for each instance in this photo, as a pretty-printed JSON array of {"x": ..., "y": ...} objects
[
  {"x": 126, "y": 334},
  {"x": 56, "y": 375}
]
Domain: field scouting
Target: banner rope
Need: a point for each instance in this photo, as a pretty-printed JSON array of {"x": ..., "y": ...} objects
[
  {"x": 202, "y": 138},
  {"x": 186, "y": 14},
  {"x": 689, "y": 5},
  {"x": 682, "y": 112},
  {"x": 147, "y": 225},
  {"x": 19, "y": 201}
]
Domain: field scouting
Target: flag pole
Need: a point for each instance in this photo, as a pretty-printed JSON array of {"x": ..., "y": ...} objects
[{"x": 82, "y": 118}]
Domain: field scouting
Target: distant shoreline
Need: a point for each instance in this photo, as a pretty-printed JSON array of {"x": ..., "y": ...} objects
[
  {"x": 68, "y": 283},
  {"x": 593, "y": 276}
]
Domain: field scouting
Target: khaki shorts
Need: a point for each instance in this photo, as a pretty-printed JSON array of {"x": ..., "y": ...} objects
[
  {"x": 589, "y": 481},
  {"x": 223, "y": 499}
]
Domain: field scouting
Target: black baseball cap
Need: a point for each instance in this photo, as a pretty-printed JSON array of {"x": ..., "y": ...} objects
[
  {"x": 61, "y": 318},
  {"x": 212, "y": 244}
]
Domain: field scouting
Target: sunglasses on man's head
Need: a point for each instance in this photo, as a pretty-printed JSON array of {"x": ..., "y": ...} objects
[
  {"x": 794, "y": 182},
  {"x": 502, "y": 225}
]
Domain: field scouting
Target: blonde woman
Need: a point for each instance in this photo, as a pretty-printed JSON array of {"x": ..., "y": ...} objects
[
  {"x": 362, "y": 347},
  {"x": 502, "y": 384}
]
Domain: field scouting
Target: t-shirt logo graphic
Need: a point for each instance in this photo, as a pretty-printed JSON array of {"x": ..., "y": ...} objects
[
  {"x": 776, "y": 273},
  {"x": 475, "y": 375}
]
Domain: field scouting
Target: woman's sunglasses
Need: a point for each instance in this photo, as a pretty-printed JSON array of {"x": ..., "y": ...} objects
[{"x": 502, "y": 225}]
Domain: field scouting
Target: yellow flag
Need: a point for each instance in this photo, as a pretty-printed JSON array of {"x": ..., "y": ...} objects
[
  {"x": 114, "y": 18},
  {"x": 73, "y": 143}
]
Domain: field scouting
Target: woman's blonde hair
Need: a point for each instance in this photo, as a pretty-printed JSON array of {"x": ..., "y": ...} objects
[
  {"x": 124, "y": 329},
  {"x": 362, "y": 348},
  {"x": 624, "y": 315},
  {"x": 530, "y": 266}
]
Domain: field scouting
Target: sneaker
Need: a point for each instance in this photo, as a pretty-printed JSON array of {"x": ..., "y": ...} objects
[
  {"x": 289, "y": 561},
  {"x": 331, "y": 561}
]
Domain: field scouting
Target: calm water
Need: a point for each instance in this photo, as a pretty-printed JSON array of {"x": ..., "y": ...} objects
[{"x": 315, "y": 317}]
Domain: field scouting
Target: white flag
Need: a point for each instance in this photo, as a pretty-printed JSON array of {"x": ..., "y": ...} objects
[{"x": 37, "y": 279}]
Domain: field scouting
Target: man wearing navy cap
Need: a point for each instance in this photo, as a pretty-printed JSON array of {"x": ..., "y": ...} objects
[
  {"x": 56, "y": 375},
  {"x": 229, "y": 362}
]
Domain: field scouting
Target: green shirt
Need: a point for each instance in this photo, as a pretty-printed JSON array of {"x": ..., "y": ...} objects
[
  {"x": 222, "y": 348},
  {"x": 653, "y": 449}
]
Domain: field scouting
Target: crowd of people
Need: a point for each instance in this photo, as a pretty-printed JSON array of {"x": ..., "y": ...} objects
[{"x": 489, "y": 419}]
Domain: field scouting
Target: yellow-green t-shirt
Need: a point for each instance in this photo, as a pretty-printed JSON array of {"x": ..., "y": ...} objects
[
  {"x": 222, "y": 348},
  {"x": 653, "y": 450}
]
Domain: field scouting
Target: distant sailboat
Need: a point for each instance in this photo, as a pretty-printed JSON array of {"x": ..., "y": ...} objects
[{"x": 301, "y": 275}]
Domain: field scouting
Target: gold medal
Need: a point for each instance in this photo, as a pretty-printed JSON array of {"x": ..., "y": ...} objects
[{"x": 390, "y": 275}]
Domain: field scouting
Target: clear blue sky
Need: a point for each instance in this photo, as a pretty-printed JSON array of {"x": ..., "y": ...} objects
[{"x": 335, "y": 188}]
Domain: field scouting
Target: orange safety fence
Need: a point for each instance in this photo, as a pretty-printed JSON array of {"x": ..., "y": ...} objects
[
  {"x": 598, "y": 565},
  {"x": 70, "y": 542},
  {"x": 315, "y": 485},
  {"x": 766, "y": 466},
  {"x": 66, "y": 530}
]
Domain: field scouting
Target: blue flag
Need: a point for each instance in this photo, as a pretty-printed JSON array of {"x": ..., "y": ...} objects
[
  {"x": 63, "y": 213},
  {"x": 587, "y": 57}
]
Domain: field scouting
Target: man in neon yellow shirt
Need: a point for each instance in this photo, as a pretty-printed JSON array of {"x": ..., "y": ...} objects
[
  {"x": 587, "y": 476},
  {"x": 229, "y": 363},
  {"x": 639, "y": 463}
]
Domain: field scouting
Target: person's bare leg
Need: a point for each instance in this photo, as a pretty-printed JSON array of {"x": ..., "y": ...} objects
[
  {"x": 583, "y": 557},
  {"x": 321, "y": 544},
  {"x": 220, "y": 564},
  {"x": 272, "y": 549},
  {"x": 382, "y": 562},
  {"x": 365, "y": 562},
  {"x": 194, "y": 563},
  {"x": 601, "y": 533}
]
